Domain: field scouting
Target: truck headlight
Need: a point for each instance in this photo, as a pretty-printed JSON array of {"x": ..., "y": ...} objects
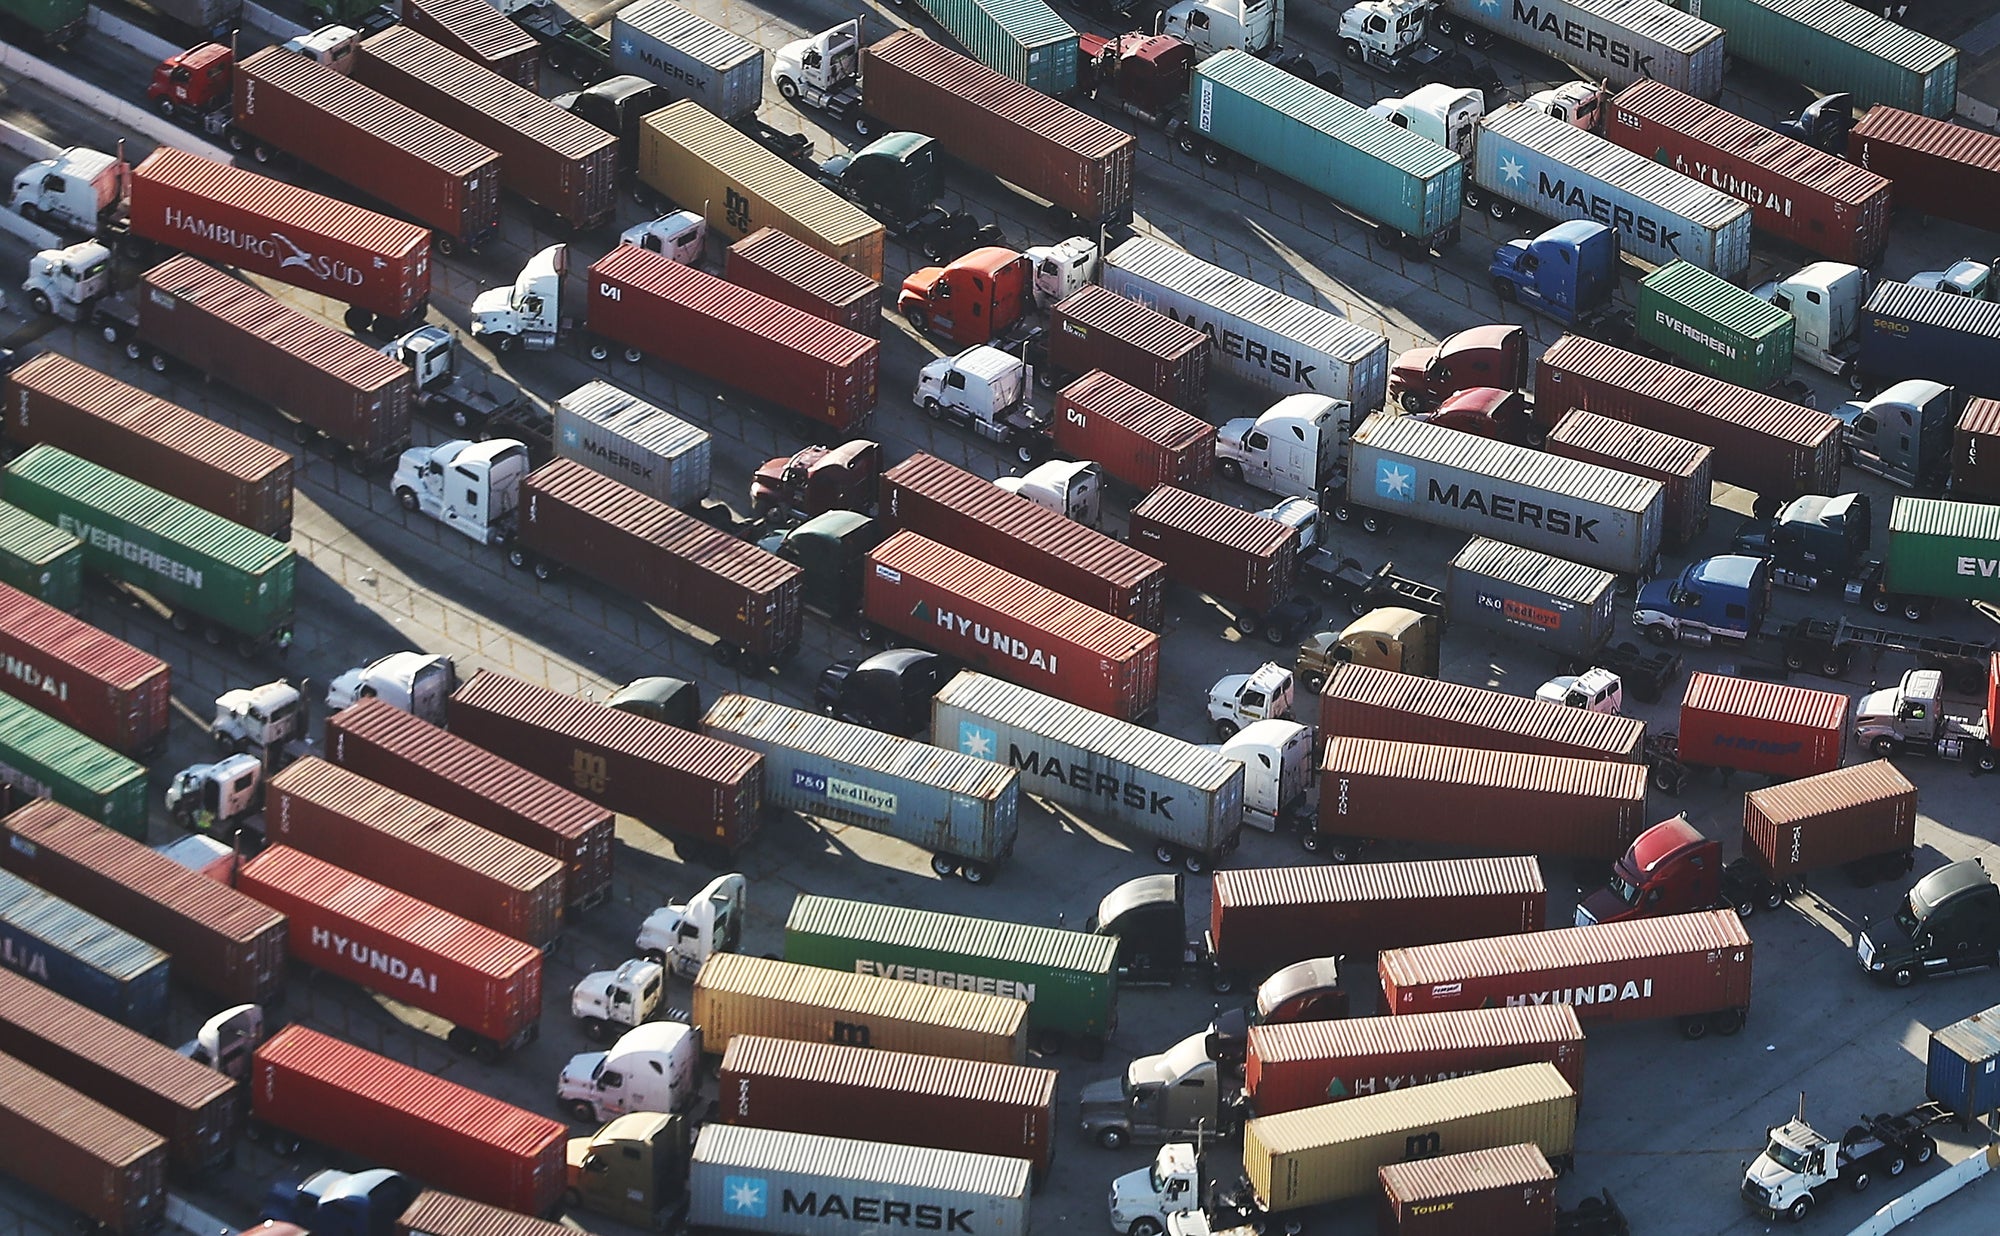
[{"x": 1875, "y": 965}]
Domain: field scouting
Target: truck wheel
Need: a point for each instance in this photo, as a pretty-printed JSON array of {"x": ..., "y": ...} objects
[
  {"x": 1801, "y": 1207},
  {"x": 1903, "y": 976},
  {"x": 517, "y": 557},
  {"x": 1351, "y": 49},
  {"x": 1498, "y": 208},
  {"x": 1833, "y": 667},
  {"x": 1165, "y": 854},
  {"x": 156, "y": 361},
  {"x": 1694, "y": 1028},
  {"x": 633, "y": 356},
  {"x": 1727, "y": 1022},
  {"x": 976, "y": 874},
  {"x": 1795, "y": 661},
  {"x": 934, "y": 409},
  {"x": 1746, "y": 906},
  {"x": 165, "y": 108},
  {"x": 944, "y": 865},
  {"x": 1986, "y": 761},
  {"x": 582, "y": 1112},
  {"x": 41, "y": 302},
  {"x": 133, "y": 352},
  {"x": 1659, "y": 637},
  {"x": 1884, "y": 746},
  {"x": 1194, "y": 862},
  {"x": 1371, "y": 523},
  {"x": 1471, "y": 198},
  {"x": 1894, "y": 1167},
  {"x": 1506, "y": 291},
  {"x": 1145, "y": 1227},
  {"x": 1230, "y": 470},
  {"x": 1312, "y": 683},
  {"x": 1357, "y": 605},
  {"x": 1879, "y": 603},
  {"x": 788, "y": 90},
  {"x": 723, "y": 652},
  {"x": 1913, "y": 611},
  {"x": 1211, "y": 155},
  {"x": 1859, "y": 1182},
  {"x": 1112, "y": 1138},
  {"x": 596, "y": 1029},
  {"x": 1446, "y": 25},
  {"x": 1309, "y": 839},
  {"x": 1221, "y": 981},
  {"x": 1225, "y": 730},
  {"x": 1774, "y": 897},
  {"x": 543, "y": 571},
  {"x": 286, "y": 1146},
  {"x": 599, "y": 350},
  {"x": 1274, "y": 635},
  {"x": 1924, "y": 1150},
  {"x": 358, "y": 320},
  {"x": 864, "y": 127}
]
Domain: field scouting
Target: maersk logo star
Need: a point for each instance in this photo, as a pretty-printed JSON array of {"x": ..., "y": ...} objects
[
  {"x": 1394, "y": 480},
  {"x": 745, "y": 1195},
  {"x": 1513, "y": 169},
  {"x": 977, "y": 741}
]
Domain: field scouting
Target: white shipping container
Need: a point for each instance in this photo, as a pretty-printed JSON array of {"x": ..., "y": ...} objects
[
  {"x": 633, "y": 442},
  {"x": 1621, "y": 40}
]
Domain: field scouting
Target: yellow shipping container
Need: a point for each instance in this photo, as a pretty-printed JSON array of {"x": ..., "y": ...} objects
[
  {"x": 739, "y": 994},
  {"x": 702, "y": 162},
  {"x": 1324, "y": 1154}
]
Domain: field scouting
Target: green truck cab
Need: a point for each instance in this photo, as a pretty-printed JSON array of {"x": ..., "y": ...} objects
[{"x": 832, "y": 549}]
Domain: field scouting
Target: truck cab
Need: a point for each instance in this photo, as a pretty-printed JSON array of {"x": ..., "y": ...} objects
[
  {"x": 1488, "y": 412},
  {"x": 680, "y": 236},
  {"x": 266, "y": 717},
  {"x": 1210, "y": 26},
  {"x": 1063, "y": 269},
  {"x": 1911, "y": 717},
  {"x": 1715, "y": 598},
  {"x": 1173, "y": 1095},
  {"x": 1949, "y": 922},
  {"x": 1386, "y": 34},
  {"x": 213, "y": 798},
  {"x": 683, "y": 935},
  {"x": 1494, "y": 356},
  {"x": 1812, "y": 540},
  {"x": 473, "y": 487},
  {"x": 80, "y": 190},
  {"x": 1967, "y": 278},
  {"x": 1145, "y": 1200},
  {"x": 1278, "y": 772},
  {"x": 617, "y": 105},
  {"x": 433, "y": 353},
  {"x": 194, "y": 87},
  {"x": 1825, "y": 301},
  {"x": 1594, "y": 690},
  {"x": 633, "y": 1170},
  {"x": 654, "y": 1067},
  {"x": 819, "y": 479},
  {"x": 419, "y": 683},
  {"x": 1307, "y": 990},
  {"x": 896, "y": 178},
  {"x": 527, "y": 315},
  {"x": 976, "y": 299},
  {"x": 1392, "y": 638},
  {"x": 1293, "y": 449},
  {"x": 1237, "y": 700},
  {"x": 1146, "y": 73},
  {"x": 821, "y": 71},
  {"x": 69, "y": 282},
  {"x": 1447, "y": 115},
  {"x": 1822, "y": 124},
  {"x": 227, "y": 1041},
  {"x": 605, "y": 1002},
  {"x": 1072, "y": 489},
  {"x": 985, "y": 390},
  {"x": 832, "y": 549},
  {"x": 1147, "y": 916},
  {"x": 1799, "y": 1161},
  {"x": 890, "y": 691},
  {"x": 1903, "y": 434},
  {"x": 1569, "y": 272},
  {"x": 1668, "y": 869},
  {"x": 670, "y": 701},
  {"x": 335, "y": 1203},
  {"x": 1578, "y": 104}
]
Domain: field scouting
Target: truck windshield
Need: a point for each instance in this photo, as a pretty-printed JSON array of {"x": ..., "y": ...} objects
[
  {"x": 1788, "y": 1157},
  {"x": 1627, "y": 891},
  {"x": 1906, "y": 918}
]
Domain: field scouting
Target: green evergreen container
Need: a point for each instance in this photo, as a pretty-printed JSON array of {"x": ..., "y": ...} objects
[
  {"x": 40, "y": 559},
  {"x": 1714, "y": 327},
  {"x": 1943, "y": 549},
  {"x": 1831, "y": 46},
  {"x": 1022, "y": 39},
  {"x": 198, "y": 563},
  {"x": 56, "y": 21},
  {"x": 44, "y": 758}
]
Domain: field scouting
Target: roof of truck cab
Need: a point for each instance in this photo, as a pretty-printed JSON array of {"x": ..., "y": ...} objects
[{"x": 1729, "y": 570}]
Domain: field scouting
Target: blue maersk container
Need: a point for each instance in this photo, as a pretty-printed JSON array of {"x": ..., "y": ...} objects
[
  {"x": 1912, "y": 332},
  {"x": 1964, "y": 1072},
  {"x": 81, "y": 956}
]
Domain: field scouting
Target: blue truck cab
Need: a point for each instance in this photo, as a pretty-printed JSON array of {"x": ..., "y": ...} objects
[
  {"x": 331, "y": 1203},
  {"x": 1715, "y": 598},
  {"x": 1569, "y": 272}
]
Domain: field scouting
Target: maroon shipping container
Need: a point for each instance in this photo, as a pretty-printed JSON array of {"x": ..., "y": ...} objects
[
  {"x": 788, "y": 270},
  {"x": 1681, "y": 965},
  {"x": 1939, "y": 168},
  {"x": 81, "y": 1152},
  {"x": 361, "y": 138},
  {"x": 1830, "y": 819},
  {"x": 1359, "y": 701},
  {"x": 236, "y": 217},
  {"x": 1138, "y": 438},
  {"x": 383, "y": 743},
  {"x": 970, "y": 513},
  {"x": 1816, "y": 200},
  {"x": 1239, "y": 557},
  {"x": 1684, "y": 469},
  {"x": 896, "y": 1097},
  {"x": 482, "y": 34},
  {"x": 1975, "y": 453},
  {"x": 329, "y": 381},
  {"x": 434, "y": 856},
  {"x": 1264, "y": 918},
  {"x": 94, "y": 416},
  {"x": 784, "y": 356},
  {"x": 447, "y": 1214},
  {"x": 1505, "y": 1191},
  {"x": 565, "y": 165},
  {"x": 1099, "y": 329},
  {"x": 1776, "y": 449},
  {"x": 1469, "y": 798},
  {"x": 1000, "y": 126},
  {"x": 1000, "y": 624},
  {"x": 1763, "y": 727},
  {"x": 487, "y": 985},
  {"x": 693, "y": 786},
  {"x": 96, "y": 684},
  {"x": 193, "y": 1106},
  {"x": 391, "y": 1115},
  {"x": 222, "y": 941},
  {"x": 1304, "y": 1064},
  {"x": 752, "y": 601}
]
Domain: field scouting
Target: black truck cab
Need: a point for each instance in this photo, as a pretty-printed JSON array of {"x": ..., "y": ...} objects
[
  {"x": 670, "y": 701},
  {"x": 890, "y": 691},
  {"x": 1949, "y": 922}
]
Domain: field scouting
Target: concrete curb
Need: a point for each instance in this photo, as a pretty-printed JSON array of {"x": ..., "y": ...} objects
[
  {"x": 146, "y": 42},
  {"x": 112, "y": 108},
  {"x": 280, "y": 28}
]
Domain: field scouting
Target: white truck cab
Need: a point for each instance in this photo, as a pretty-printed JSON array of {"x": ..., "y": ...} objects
[
  {"x": 1210, "y": 26},
  {"x": 67, "y": 282},
  {"x": 1301, "y": 514},
  {"x": 1062, "y": 270},
  {"x": 78, "y": 190},
  {"x": 1238, "y": 700},
  {"x": 651, "y": 1068},
  {"x": 680, "y": 236},
  {"x": 267, "y": 716},
  {"x": 1579, "y": 104},
  {"x": 1825, "y": 300},
  {"x": 1447, "y": 115},
  {"x": 527, "y": 315},
  {"x": 1278, "y": 772},
  {"x": 1973, "y": 280},
  {"x": 225, "y": 1041},
  {"x": 821, "y": 71},
  {"x": 1070, "y": 488},
  {"x": 333, "y": 46},
  {"x": 985, "y": 390},
  {"x": 1382, "y": 33},
  {"x": 605, "y": 1001},
  {"x": 419, "y": 683},
  {"x": 1146, "y": 1199},
  {"x": 207, "y": 797},
  {"x": 473, "y": 487},
  {"x": 1293, "y": 449},
  {"x": 682, "y": 935},
  {"x": 1594, "y": 690}
]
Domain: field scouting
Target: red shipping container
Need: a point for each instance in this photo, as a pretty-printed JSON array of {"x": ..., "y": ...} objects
[
  {"x": 1939, "y": 168},
  {"x": 1975, "y": 453},
  {"x": 81, "y": 1152},
  {"x": 954, "y": 507},
  {"x": 771, "y": 351},
  {"x": 482, "y": 34},
  {"x": 391, "y": 1115},
  {"x": 1304, "y": 1064},
  {"x": 1684, "y": 469},
  {"x": 1763, "y": 727},
  {"x": 1000, "y": 624},
  {"x": 1359, "y": 701},
  {"x": 1505, "y": 1191},
  {"x": 383, "y": 743},
  {"x": 1830, "y": 819},
  {"x": 488, "y": 986},
  {"x": 1099, "y": 329},
  {"x": 788, "y": 270},
  {"x": 699, "y": 788},
  {"x": 96, "y": 684},
  {"x": 1139, "y": 439},
  {"x": 447, "y": 1214},
  {"x": 236, "y": 217},
  {"x": 1681, "y": 965},
  {"x": 1236, "y": 556},
  {"x": 436, "y": 857}
]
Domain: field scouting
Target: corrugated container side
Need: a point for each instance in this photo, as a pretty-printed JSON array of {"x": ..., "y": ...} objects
[
  {"x": 1830, "y": 818},
  {"x": 1360, "y": 701},
  {"x": 97, "y": 684},
  {"x": 1929, "y": 333},
  {"x": 1938, "y": 168},
  {"x": 1943, "y": 549},
  {"x": 81, "y": 1152},
  {"x": 1529, "y": 595},
  {"x": 1099, "y": 329},
  {"x": 1619, "y": 41},
  {"x": 1138, "y": 438},
  {"x": 786, "y": 269},
  {"x": 1715, "y": 327},
  {"x": 634, "y": 442},
  {"x": 1975, "y": 453},
  {"x": 481, "y": 33},
  {"x": 1022, "y": 39},
  {"x": 446, "y": 1214},
  {"x": 1841, "y": 47},
  {"x": 43, "y": 758},
  {"x": 690, "y": 55},
  {"x": 1505, "y": 1189},
  {"x": 1963, "y": 1071},
  {"x": 1231, "y": 554},
  {"x": 1684, "y": 469},
  {"x": 40, "y": 559},
  {"x": 1766, "y": 727},
  {"x": 81, "y": 957}
]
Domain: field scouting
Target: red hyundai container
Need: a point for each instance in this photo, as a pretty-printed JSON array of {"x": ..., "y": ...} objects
[
  {"x": 1451, "y": 796},
  {"x": 373, "y": 831},
  {"x": 1142, "y": 440},
  {"x": 1359, "y": 701},
  {"x": 96, "y": 684},
  {"x": 698, "y": 788},
  {"x": 1830, "y": 819},
  {"x": 482, "y": 34},
  {"x": 82, "y": 1153},
  {"x": 1505, "y": 1191},
  {"x": 1692, "y": 966},
  {"x": 390, "y": 1115},
  {"x": 222, "y": 942},
  {"x": 486, "y": 985},
  {"x": 557, "y": 161},
  {"x": 954, "y": 507},
  {"x": 1684, "y": 469},
  {"x": 1816, "y": 200},
  {"x": 788, "y": 270},
  {"x": 1264, "y": 918},
  {"x": 1763, "y": 727},
  {"x": 768, "y": 350},
  {"x": 1975, "y": 453},
  {"x": 329, "y": 121},
  {"x": 378, "y": 265},
  {"x": 1304, "y": 1064},
  {"x": 1000, "y": 624},
  {"x": 52, "y": 399},
  {"x": 1243, "y": 559},
  {"x": 383, "y": 743},
  {"x": 1939, "y": 168},
  {"x": 751, "y": 600},
  {"x": 1099, "y": 329},
  {"x": 1776, "y": 449}
]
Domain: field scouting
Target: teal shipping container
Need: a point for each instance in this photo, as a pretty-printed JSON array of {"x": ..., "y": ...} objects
[
  {"x": 1943, "y": 549},
  {"x": 1834, "y": 46},
  {"x": 40, "y": 559},
  {"x": 43, "y": 758},
  {"x": 1022, "y": 39},
  {"x": 1714, "y": 327}
]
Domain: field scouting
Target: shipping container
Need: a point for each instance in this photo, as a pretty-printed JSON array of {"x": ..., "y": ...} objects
[
  {"x": 1964, "y": 1067},
  {"x": 1840, "y": 47},
  {"x": 1384, "y": 173},
  {"x": 222, "y": 941},
  {"x": 690, "y": 785},
  {"x": 1938, "y": 168},
  {"x": 1304, "y": 1064},
  {"x": 998, "y": 622},
  {"x": 83, "y": 1153},
  {"x": 1684, "y": 469},
  {"x": 43, "y": 758},
  {"x": 1714, "y": 327},
  {"x": 81, "y": 957},
  {"x": 736, "y": 993},
  {"x": 328, "y": 121},
  {"x": 1022, "y": 40},
  {"x": 1943, "y": 549},
  {"x": 1809, "y": 197},
  {"x": 40, "y": 559},
  {"x": 1507, "y": 1189},
  {"x": 696, "y": 59},
  {"x": 489, "y": 987},
  {"x": 482, "y": 34},
  {"x": 97, "y": 684},
  {"x": 410, "y": 1120},
  {"x": 928, "y": 496},
  {"x": 1773, "y": 448},
  {"x": 446, "y": 1214},
  {"x": 1529, "y": 597},
  {"x": 548, "y": 157},
  {"x": 798, "y": 1182},
  {"x": 699, "y": 162},
  {"x": 986, "y": 120},
  {"x": 1975, "y": 453},
  {"x": 779, "y": 265},
  {"x": 1135, "y": 437},
  {"x": 637, "y": 443},
  {"x": 1764, "y": 727},
  {"x": 1939, "y": 336},
  {"x": 1616, "y": 41},
  {"x": 1241, "y": 558},
  {"x": 1258, "y": 334},
  {"x": 1830, "y": 819},
  {"x": 1099, "y": 329},
  {"x": 837, "y": 1091},
  {"x": 1360, "y": 701}
]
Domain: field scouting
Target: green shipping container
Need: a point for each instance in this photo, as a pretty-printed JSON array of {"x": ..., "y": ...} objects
[
  {"x": 1714, "y": 327},
  {"x": 1943, "y": 549},
  {"x": 1022, "y": 39},
  {"x": 40, "y": 559},
  {"x": 1833, "y": 46},
  {"x": 43, "y": 758},
  {"x": 56, "y": 21},
  {"x": 1068, "y": 978},
  {"x": 197, "y": 563}
]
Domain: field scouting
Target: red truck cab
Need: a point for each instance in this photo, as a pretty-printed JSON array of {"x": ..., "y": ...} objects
[
  {"x": 1669, "y": 869},
  {"x": 819, "y": 479},
  {"x": 1482, "y": 356},
  {"x": 973, "y": 300},
  {"x": 193, "y": 83},
  {"x": 1147, "y": 72},
  {"x": 1489, "y": 412}
]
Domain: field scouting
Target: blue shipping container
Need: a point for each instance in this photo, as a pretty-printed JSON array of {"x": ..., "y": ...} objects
[
  {"x": 1910, "y": 332},
  {"x": 81, "y": 956},
  {"x": 1964, "y": 1072}
]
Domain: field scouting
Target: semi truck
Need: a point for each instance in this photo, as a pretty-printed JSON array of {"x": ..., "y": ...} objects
[
  {"x": 1799, "y": 1162},
  {"x": 1947, "y": 923},
  {"x": 1911, "y": 717}
]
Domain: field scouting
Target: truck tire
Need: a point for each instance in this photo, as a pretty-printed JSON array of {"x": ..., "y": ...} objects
[
  {"x": 1883, "y": 746},
  {"x": 1746, "y": 906},
  {"x": 1309, "y": 839},
  {"x": 1903, "y": 976},
  {"x": 1371, "y": 523},
  {"x": 1860, "y": 1181},
  {"x": 1144, "y": 1227},
  {"x": 975, "y": 873},
  {"x": 1112, "y": 1138},
  {"x": 1508, "y": 294},
  {"x": 788, "y": 90},
  {"x": 1194, "y": 862},
  {"x": 581, "y": 1111},
  {"x": 1727, "y": 1022},
  {"x": 1924, "y": 1150},
  {"x": 1225, "y": 730},
  {"x": 1694, "y": 1029},
  {"x": 1351, "y": 48},
  {"x": 1230, "y": 470},
  {"x": 1801, "y": 1207},
  {"x": 596, "y": 1029},
  {"x": 1894, "y": 1167}
]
